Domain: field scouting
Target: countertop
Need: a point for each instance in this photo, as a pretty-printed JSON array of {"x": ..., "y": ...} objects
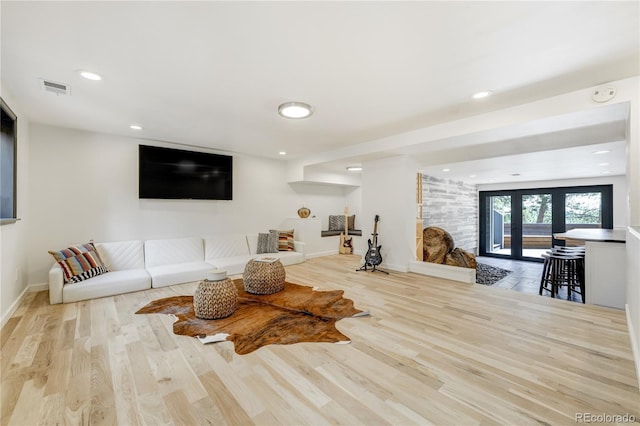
[{"x": 602, "y": 235}]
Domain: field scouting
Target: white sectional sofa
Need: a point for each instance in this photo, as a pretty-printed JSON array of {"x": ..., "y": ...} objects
[
  {"x": 138, "y": 265},
  {"x": 175, "y": 261}
]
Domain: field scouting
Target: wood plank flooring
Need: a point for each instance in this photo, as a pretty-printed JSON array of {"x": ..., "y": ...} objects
[{"x": 432, "y": 352}]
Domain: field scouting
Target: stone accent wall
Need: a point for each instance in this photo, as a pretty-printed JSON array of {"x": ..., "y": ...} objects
[{"x": 452, "y": 206}]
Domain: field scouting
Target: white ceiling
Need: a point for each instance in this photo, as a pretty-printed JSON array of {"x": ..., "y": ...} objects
[{"x": 212, "y": 74}]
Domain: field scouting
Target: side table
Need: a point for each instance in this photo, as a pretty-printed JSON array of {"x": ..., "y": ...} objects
[{"x": 263, "y": 277}]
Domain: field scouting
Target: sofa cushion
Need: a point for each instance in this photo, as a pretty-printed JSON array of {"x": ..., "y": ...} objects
[
  {"x": 79, "y": 262},
  {"x": 226, "y": 245},
  {"x": 233, "y": 265},
  {"x": 122, "y": 255},
  {"x": 173, "y": 251},
  {"x": 356, "y": 232},
  {"x": 115, "y": 282},
  {"x": 267, "y": 242},
  {"x": 171, "y": 274},
  {"x": 290, "y": 257}
]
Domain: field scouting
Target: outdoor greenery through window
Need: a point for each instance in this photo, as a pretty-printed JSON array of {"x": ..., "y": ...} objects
[{"x": 583, "y": 209}]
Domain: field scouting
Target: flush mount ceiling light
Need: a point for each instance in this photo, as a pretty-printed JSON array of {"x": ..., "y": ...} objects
[
  {"x": 446, "y": 170},
  {"x": 135, "y": 127},
  {"x": 282, "y": 152},
  {"x": 295, "y": 110},
  {"x": 90, "y": 75},
  {"x": 354, "y": 168},
  {"x": 483, "y": 94}
]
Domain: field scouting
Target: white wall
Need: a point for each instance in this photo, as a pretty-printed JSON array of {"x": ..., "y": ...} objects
[
  {"x": 619, "y": 183},
  {"x": 13, "y": 247},
  {"x": 84, "y": 186},
  {"x": 389, "y": 190},
  {"x": 325, "y": 200}
]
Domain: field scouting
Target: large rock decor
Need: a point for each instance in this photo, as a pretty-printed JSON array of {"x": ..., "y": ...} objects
[{"x": 438, "y": 247}]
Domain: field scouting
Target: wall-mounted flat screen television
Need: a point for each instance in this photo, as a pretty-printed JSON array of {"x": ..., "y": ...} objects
[{"x": 166, "y": 173}]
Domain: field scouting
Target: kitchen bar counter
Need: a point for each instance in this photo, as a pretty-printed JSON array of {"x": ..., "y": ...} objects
[
  {"x": 605, "y": 264},
  {"x": 588, "y": 234}
]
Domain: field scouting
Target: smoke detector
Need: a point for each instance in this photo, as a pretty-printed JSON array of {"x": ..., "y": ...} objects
[
  {"x": 603, "y": 94},
  {"x": 55, "y": 87}
]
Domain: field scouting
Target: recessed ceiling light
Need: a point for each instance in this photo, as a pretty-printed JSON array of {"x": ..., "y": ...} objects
[
  {"x": 295, "y": 110},
  {"x": 446, "y": 170},
  {"x": 483, "y": 94},
  {"x": 603, "y": 164},
  {"x": 603, "y": 151},
  {"x": 282, "y": 152},
  {"x": 135, "y": 127},
  {"x": 354, "y": 168},
  {"x": 472, "y": 176},
  {"x": 90, "y": 75},
  {"x": 606, "y": 172}
]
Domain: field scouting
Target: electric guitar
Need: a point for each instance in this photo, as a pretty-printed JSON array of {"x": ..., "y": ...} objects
[
  {"x": 346, "y": 242},
  {"x": 373, "y": 256}
]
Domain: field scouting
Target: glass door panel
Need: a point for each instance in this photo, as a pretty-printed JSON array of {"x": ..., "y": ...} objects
[
  {"x": 499, "y": 215},
  {"x": 583, "y": 210},
  {"x": 537, "y": 236}
]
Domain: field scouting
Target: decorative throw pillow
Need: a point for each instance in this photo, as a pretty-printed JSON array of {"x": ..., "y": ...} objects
[
  {"x": 285, "y": 240},
  {"x": 267, "y": 242},
  {"x": 79, "y": 262},
  {"x": 351, "y": 222},
  {"x": 336, "y": 223}
]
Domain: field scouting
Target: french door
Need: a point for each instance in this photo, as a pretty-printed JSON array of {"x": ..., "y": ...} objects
[{"x": 519, "y": 224}]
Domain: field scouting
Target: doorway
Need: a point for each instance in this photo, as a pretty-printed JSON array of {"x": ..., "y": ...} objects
[{"x": 519, "y": 224}]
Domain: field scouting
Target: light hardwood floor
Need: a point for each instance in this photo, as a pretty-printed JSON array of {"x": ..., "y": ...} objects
[{"x": 432, "y": 352}]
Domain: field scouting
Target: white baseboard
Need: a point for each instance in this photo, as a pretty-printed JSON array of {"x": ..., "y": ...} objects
[
  {"x": 394, "y": 267},
  {"x": 320, "y": 254},
  {"x": 14, "y": 306},
  {"x": 454, "y": 273},
  {"x": 634, "y": 343},
  {"x": 38, "y": 287}
]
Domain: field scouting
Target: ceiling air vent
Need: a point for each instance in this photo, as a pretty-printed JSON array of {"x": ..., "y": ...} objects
[{"x": 54, "y": 87}]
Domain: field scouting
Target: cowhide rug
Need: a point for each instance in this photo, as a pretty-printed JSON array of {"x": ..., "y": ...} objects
[{"x": 295, "y": 314}]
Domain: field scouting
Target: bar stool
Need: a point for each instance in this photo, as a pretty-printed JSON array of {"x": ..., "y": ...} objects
[
  {"x": 578, "y": 250},
  {"x": 549, "y": 280},
  {"x": 562, "y": 269}
]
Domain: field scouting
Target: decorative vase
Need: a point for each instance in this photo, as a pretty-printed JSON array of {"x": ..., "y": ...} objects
[
  {"x": 216, "y": 297},
  {"x": 304, "y": 212}
]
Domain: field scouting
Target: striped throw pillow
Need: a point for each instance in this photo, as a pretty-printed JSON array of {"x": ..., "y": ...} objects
[
  {"x": 285, "y": 240},
  {"x": 79, "y": 262}
]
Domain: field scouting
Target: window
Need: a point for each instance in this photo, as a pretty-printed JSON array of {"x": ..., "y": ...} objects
[{"x": 8, "y": 162}]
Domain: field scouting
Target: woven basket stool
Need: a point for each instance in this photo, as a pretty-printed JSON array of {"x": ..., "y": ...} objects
[
  {"x": 263, "y": 277},
  {"x": 216, "y": 297}
]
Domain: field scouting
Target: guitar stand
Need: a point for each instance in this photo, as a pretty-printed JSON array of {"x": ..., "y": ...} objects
[{"x": 374, "y": 268}]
